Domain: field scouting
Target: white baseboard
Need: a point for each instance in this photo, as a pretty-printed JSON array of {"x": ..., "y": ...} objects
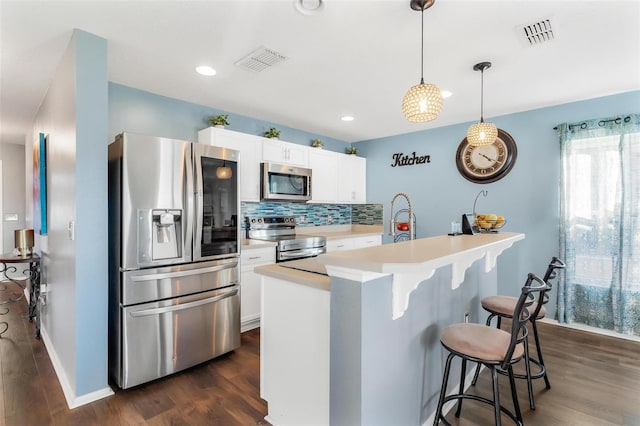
[
  {"x": 250, "y": 324},
  {"x": 590, "y": 329},
  {"x": 73, "y": 400}
]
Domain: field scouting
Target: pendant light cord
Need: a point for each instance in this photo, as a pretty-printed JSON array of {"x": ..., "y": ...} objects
[
  {"x": 422, "y": 47},
  {"x": 482, "y": 95}
]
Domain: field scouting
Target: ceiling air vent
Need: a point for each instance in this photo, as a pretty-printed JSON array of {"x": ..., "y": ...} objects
[
  {"x": 260, "y": 59},
  {"x": 536, "y": 33}
]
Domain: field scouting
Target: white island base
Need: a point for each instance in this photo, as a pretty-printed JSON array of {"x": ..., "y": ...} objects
[{"x": 362, "y": 347}]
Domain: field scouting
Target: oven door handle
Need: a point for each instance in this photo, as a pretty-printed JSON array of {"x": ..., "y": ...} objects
[
  {"x": 295, "y": 254},
  {"x": 189, "y": 272},
  {"x": 182, "y": 306}
]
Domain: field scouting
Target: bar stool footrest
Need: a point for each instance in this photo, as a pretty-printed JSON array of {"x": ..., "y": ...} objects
[{"x": 479, "y": 399}]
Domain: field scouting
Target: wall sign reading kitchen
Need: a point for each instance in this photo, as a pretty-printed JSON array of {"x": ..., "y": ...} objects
[{"x": 400, "y": 159}]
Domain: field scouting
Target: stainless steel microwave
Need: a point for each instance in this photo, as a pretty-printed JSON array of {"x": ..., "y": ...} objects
[{"x": 281, "y": 182}]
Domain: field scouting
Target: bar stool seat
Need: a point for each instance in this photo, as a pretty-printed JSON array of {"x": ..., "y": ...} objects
[
  {"x": 503, "y": 306},
  {"x": 492, "y": 347},
  {"x": 479, "y": 341}
]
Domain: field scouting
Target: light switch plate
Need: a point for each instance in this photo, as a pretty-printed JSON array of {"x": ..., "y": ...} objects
[
  {"x": 11, "y": 217},
  {"x": 72, "y": 230}
]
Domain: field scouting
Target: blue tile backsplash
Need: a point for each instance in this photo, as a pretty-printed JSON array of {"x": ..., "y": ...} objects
[{"x": 318, "y": 214}]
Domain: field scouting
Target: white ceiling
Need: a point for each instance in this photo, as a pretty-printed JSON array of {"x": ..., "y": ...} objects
[{"x": 357, "y": 57}]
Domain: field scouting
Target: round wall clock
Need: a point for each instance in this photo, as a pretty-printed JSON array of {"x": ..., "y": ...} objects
[{"x": 488, "y": 163}]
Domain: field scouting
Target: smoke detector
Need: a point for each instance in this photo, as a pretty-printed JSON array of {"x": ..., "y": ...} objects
[
  {"x": 260, "y": 59},
  {"x": 536, "y": 33}
]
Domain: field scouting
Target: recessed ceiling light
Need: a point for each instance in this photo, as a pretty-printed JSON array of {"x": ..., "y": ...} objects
[
  {"x": 446, "y": 93},
  {"x": 347, "y": 118},
  {"x": 205, "y": 70},
  {"x": 309, "y": 7}
]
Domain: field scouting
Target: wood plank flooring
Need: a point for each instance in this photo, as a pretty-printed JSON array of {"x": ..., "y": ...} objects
[{"x": 595, "y": 381}]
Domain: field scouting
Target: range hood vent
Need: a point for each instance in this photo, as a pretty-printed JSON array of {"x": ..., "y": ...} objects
[
  {"x": 537, "y": 33},
  {"x": 260, "y": 59}
]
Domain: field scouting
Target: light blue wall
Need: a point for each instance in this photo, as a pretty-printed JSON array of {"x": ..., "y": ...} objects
[
  {"x": 91, "y": 213},
  {"x": 527, "y": 197},
  {"x": 74, "y": 116},
  {"x": 137, "y": 111}
]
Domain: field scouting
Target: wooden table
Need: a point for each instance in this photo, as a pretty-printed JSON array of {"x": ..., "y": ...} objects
[{"x": 7, "y": 261}]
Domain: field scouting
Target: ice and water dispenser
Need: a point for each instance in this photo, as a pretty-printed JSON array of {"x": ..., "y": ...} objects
[{"x": 159, "y": 235}]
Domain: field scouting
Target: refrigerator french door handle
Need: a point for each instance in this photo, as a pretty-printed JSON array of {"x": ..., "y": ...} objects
[
  {"x": 189, "y": 207},
  {"x": 173, "y": 308},
  {"x": 153, "y": 277},
  {"x": 198, "y": 200}
]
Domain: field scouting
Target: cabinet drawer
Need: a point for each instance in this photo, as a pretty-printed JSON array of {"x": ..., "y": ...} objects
[{"x": 258, "y": 256}]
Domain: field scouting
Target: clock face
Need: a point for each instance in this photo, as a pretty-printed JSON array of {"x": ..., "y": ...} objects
[{"x": 488, "y": 163}]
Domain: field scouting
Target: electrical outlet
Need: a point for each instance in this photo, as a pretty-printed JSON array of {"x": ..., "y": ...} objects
[
  {"x": 302, "y": 218},
  {"x": 329, "y": 219},
  {"x": 466, "y": 317}
]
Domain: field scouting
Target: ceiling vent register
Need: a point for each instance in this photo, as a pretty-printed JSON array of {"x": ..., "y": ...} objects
[
  {"x": 537, "y": 33},
  {"x": 260, "y": 59}
]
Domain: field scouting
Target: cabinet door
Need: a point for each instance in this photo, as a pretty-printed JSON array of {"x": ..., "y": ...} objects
[
  {"x": 285, "y": 153},
  {"x": 352, "y": 176},
  {"x": 250, "y": 147},
  {"x": 250, "y": 285},
  {"x": 324, "y": 179}
]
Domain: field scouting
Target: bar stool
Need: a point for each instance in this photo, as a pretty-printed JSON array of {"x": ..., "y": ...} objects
[
  {"x": 503, "y": 306},
  {"x": 491, "y": 347}
]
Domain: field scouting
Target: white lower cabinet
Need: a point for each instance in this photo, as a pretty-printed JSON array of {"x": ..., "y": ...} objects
[
  {"x": 350, "y": 243},
  {"x": 339, "y": 245},
  {"x": 368, "y": 241},
  {"x": 250, "y": 285}
]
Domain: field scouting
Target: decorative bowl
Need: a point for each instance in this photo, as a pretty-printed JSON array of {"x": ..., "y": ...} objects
[{"x": 489, "y": 222}]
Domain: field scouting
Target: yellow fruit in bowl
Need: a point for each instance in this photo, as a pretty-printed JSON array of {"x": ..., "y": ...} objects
[{"x": 491, "y": 217}]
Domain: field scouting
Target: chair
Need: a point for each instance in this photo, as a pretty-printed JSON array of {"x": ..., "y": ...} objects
[
  {"x": 503, "y": 306},
  {"x": 491, "y": 347}
]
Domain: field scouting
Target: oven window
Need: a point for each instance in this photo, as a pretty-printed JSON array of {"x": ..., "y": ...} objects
[
  {"x": 219, "y": 207},
  {"x": 286, "y": 184}
]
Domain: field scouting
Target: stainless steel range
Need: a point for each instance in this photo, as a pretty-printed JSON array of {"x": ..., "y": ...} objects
[{"x": 282, "y": 229}]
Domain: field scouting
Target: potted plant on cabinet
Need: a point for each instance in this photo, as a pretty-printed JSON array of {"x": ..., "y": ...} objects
[
  {"x": 317, "y": 143},
  {"x": 219, "y": 120},
  {"x": 272, "y": 133},
  {"x": 352, "y": 150}
]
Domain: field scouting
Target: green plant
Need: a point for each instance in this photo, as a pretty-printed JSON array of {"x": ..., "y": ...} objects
[
  {"x": 317, "y": 143},
  {"x": 272, "y": 133},
  {"x": 219, "y": 120},
  {"x": 352, "y": 150}
]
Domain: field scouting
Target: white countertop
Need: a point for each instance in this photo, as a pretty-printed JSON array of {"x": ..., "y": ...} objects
[{"x": 421, "y": 254}]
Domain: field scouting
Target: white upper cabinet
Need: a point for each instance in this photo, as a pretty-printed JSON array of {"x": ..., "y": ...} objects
[
  {"x": 324, "y": 177},
  {"x": 276, "y": 151},
  {"x": 250, "y": 147},
  {"x": 352, "y": 178}
]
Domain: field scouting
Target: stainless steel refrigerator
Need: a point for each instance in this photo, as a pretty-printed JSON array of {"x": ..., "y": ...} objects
[{"x": 174, "y": 244}]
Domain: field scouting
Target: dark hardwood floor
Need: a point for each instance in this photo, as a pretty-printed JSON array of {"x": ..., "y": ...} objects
[{"x": 595, "y": 381}]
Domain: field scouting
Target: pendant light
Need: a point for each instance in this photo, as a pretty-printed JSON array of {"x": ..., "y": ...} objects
[
  {"x": 482, "y": 133},
  {"x": 422, "y": 102},
  {"x": 224, "y": 171}
]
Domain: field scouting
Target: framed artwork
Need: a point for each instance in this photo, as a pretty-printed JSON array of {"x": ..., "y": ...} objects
[{"x": 40, "y": 185}]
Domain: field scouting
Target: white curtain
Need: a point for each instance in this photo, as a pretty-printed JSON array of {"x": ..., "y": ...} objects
[{"x": 600, "y": 223}]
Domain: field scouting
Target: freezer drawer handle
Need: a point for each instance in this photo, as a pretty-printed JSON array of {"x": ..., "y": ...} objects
[
  {"x": 164, "y": 310},
  {"x": 154, "y": 277}
]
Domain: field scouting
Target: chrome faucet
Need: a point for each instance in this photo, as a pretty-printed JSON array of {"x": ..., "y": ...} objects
[{"x": 392, "y": 223}]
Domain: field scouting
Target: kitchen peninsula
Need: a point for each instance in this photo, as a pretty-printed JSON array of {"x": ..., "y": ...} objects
[{"x": 360, "y": 345}]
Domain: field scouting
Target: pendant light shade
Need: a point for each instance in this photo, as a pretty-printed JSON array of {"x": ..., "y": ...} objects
[
  {"x": 422, "y": 102},
  {"x": 482, "y": 133}
]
